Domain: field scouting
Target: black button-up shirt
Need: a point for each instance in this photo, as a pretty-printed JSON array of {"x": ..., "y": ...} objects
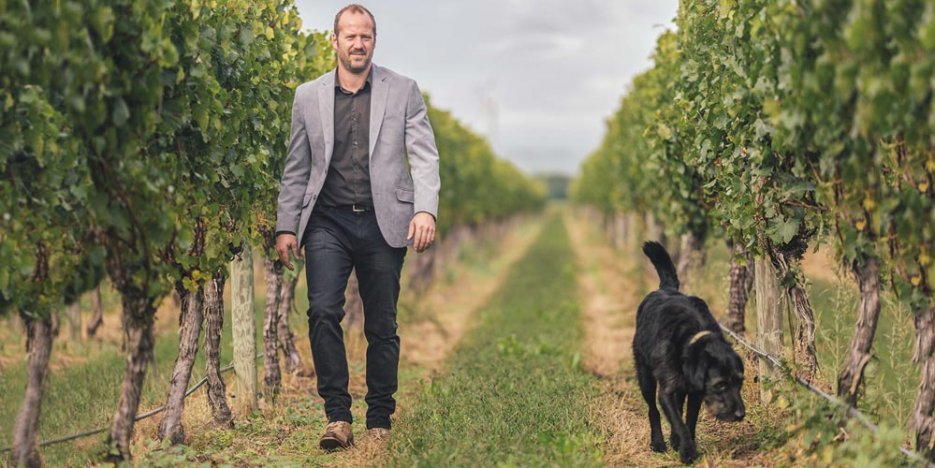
[{"x": 348, "y": 179}]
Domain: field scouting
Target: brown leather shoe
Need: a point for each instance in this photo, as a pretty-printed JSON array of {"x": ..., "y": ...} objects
[
  {"x": 337, "y": 436},
  {"x": 378, "y": 433}
]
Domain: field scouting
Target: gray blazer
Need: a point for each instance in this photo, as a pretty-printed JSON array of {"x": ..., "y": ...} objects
[{"x": 399, "y": 126}]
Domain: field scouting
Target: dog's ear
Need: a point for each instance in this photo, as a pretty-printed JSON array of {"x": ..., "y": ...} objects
[{"x": 695, "y": 369}]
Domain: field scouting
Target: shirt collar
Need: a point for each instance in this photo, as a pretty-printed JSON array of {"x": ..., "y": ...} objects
[{"x": 367, "y": 84}]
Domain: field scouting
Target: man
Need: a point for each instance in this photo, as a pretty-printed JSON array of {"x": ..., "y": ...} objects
[{"x": 347, "y": 191}]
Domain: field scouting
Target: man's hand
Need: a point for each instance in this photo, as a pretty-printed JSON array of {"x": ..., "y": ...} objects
[
  {"x": 284, "y": 243},
  {"x": 422, "y": 231}
]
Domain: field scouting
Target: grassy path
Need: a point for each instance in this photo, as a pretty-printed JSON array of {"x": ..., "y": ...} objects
[
  {"x": 609, "y": 289},
  {"x": 514, "y": 391},
  {"x": 286, "y": 432}
]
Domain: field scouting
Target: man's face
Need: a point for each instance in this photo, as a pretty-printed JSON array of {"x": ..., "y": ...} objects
[{"x": 354, "y": 41}]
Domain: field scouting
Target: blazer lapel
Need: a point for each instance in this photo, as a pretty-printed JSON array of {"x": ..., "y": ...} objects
[
  {"x": 326, "y": 114},
  {"x": 381, "y": 89}
]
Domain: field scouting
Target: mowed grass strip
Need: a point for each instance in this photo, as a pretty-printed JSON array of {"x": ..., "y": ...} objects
[{"x": 513, "y": 393}]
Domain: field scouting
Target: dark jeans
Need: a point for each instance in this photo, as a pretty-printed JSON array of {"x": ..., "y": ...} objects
[{"x": 337, "y": 240}]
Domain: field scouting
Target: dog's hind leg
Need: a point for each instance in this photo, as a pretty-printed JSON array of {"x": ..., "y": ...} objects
[
  {"x": 674, "y": 436},
  {"x": 687, "y": 451},
  {"x": 648, "y": 389}
]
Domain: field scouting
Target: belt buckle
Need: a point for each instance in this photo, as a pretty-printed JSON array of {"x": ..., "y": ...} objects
[{"x": 355, "y": 209}]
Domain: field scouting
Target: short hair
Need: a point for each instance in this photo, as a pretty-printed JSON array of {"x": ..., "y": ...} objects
[{"x": 354, "y": 8}]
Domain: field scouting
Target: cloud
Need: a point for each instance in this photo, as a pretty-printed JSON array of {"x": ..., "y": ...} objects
[{"x": 544, "y": 73}]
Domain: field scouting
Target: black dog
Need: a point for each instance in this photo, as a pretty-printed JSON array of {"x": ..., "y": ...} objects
[{"x": 679, "y": 347}]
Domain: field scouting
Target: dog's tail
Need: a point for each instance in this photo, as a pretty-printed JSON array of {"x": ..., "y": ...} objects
[{"x": 668, "y": 278}]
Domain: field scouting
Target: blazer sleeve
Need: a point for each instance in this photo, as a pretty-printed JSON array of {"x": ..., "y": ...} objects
[
  {"x": 294, "y": 180},
  {"x": 423, "y": 153}
]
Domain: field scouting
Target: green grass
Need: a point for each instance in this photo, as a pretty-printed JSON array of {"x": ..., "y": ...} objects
[
  {"x": 513, "y": 393},
  {"x": 83, "y": 396},
  {"x": 890, "y": 379}
]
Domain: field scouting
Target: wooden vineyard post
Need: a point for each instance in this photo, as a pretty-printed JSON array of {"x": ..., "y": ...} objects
[
  {"x": 244, "y": 330},
  {"x": 741, "y": 276},
  {"x": 768, "y": 319}
]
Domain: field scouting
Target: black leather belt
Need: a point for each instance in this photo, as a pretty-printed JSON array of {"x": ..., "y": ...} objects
[{"x": 355, "y": 207}]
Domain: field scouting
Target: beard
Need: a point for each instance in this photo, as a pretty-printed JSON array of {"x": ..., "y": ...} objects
[{"x": 349, "y": 65}]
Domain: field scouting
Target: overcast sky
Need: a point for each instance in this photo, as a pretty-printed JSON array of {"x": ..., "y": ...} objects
[{"x": 537, "y": 77}]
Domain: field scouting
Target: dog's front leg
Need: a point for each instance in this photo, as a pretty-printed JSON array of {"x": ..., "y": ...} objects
[
  {"x": 691, "y": 414},
  {"x": 674, "y": 436},
  {"x": 669, "y": 401}
]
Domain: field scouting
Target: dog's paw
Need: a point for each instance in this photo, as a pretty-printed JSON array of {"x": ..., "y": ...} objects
[
  {"x": 688, "y": 453},
  {"x": 674, "y": 441},
  {"x": 658, "y": 446}
]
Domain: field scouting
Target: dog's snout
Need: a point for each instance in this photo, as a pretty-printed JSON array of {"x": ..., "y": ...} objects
[{"x": 739, "y": 414}]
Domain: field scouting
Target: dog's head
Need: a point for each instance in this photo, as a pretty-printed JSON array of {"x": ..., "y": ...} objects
[{"x": 713, "y": 368}]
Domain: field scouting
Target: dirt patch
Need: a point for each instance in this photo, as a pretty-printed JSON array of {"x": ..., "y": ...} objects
[
  {"x": 447, "y": 310},
  {"x": 608, "y": 299},
  {"x": 823, "y": 266}
]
